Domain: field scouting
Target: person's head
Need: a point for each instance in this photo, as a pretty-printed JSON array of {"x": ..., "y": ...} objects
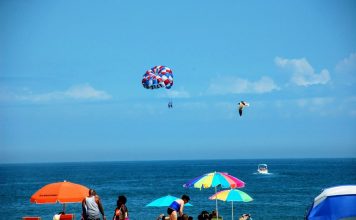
[
  {"x": 246, "y": 216},
  {"x": 121, "y": 200},
  {"x": 205, "y": 213},
  {"x": 185, "y": 198},
  {"x": 213, "y": 213},
  {"x": 185, "y": 217},
  {"x": 92, "y": 192}
]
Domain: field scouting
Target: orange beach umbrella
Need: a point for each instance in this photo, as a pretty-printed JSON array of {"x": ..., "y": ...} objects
[{"x": 62, "y": 192}]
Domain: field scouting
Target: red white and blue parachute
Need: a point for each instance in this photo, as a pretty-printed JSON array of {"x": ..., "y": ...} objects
[{"x": 158, "y": 77}]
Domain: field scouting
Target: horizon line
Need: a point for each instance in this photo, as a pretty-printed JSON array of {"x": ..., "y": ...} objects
[{"x": 166, "y": 160}]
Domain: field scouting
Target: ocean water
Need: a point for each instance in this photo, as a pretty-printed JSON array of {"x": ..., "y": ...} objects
[{"x": 285, "y": 194}]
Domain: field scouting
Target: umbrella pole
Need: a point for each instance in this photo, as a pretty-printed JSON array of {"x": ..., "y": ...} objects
[
  {"x": 232, "y": 210},
  {"x": 216, "y": 204},
  {"x": 64, "y": 208}
]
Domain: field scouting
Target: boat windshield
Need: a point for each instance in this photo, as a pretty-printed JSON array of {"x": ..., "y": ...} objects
[{"x": 262, "y": 166}]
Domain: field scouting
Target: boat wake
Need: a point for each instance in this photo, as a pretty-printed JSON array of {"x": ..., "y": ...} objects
[{"x": 262, "y": 174}]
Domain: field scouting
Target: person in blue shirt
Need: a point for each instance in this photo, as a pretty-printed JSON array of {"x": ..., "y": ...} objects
[{"x": 176, "y": 207}]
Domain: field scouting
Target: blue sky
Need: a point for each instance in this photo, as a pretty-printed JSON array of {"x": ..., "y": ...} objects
[{"x": 70, "y": 80}]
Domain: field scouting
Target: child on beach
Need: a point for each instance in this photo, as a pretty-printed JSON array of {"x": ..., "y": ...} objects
[
  {"x": 121, "y": 211},
  {"x": 176, "y": 207}
]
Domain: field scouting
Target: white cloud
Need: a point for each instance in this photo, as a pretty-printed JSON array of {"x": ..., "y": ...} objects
[
  {"x": 319, "y": 106},
  {"x": 86, "y": 92},
  {"x": 77, "y": 92},
  {"x": 303, "y": 72},
  {"x": 235, "y": 85},
  {"x": 347, "y": 65},
  {"x": 315, "y": 103},
  {"x": 346, "y": 70},
  {"x": 329, "y": 106},
  {"x": 175, "y": 93}
]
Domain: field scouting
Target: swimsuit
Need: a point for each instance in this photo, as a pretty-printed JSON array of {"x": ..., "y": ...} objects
[{"x": 175, "y": 206}]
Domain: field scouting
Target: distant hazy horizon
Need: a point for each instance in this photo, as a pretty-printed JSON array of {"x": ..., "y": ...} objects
[{"x": 262, "y": 160}]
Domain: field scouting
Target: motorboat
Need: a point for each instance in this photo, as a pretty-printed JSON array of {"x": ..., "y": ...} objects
[{"x": 262, "y": 168}]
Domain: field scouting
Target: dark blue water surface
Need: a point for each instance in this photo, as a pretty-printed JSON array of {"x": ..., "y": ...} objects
[{"x": 285, "y": 194}]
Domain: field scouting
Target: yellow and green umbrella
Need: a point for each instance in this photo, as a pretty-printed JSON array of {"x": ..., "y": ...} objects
[{"x": 232, "y": 195}]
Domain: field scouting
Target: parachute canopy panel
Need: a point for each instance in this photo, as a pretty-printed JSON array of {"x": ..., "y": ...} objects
[{"x": 158, "y": 77}]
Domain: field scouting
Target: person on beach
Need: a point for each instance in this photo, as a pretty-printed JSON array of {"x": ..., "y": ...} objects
[
  {"x": 245, "y": 217},
  {"x": 204, "y": 215},
  {"x": 214, "y": 214},
  {"x": 58, "y": 216},
  {"x": 183, "y": 217},
  {"x": 163, "y": 217},
  {"x": 92, "y": 207},
  {"x": 176, "y": 207},
  {"x": 121, "y": 211}
]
